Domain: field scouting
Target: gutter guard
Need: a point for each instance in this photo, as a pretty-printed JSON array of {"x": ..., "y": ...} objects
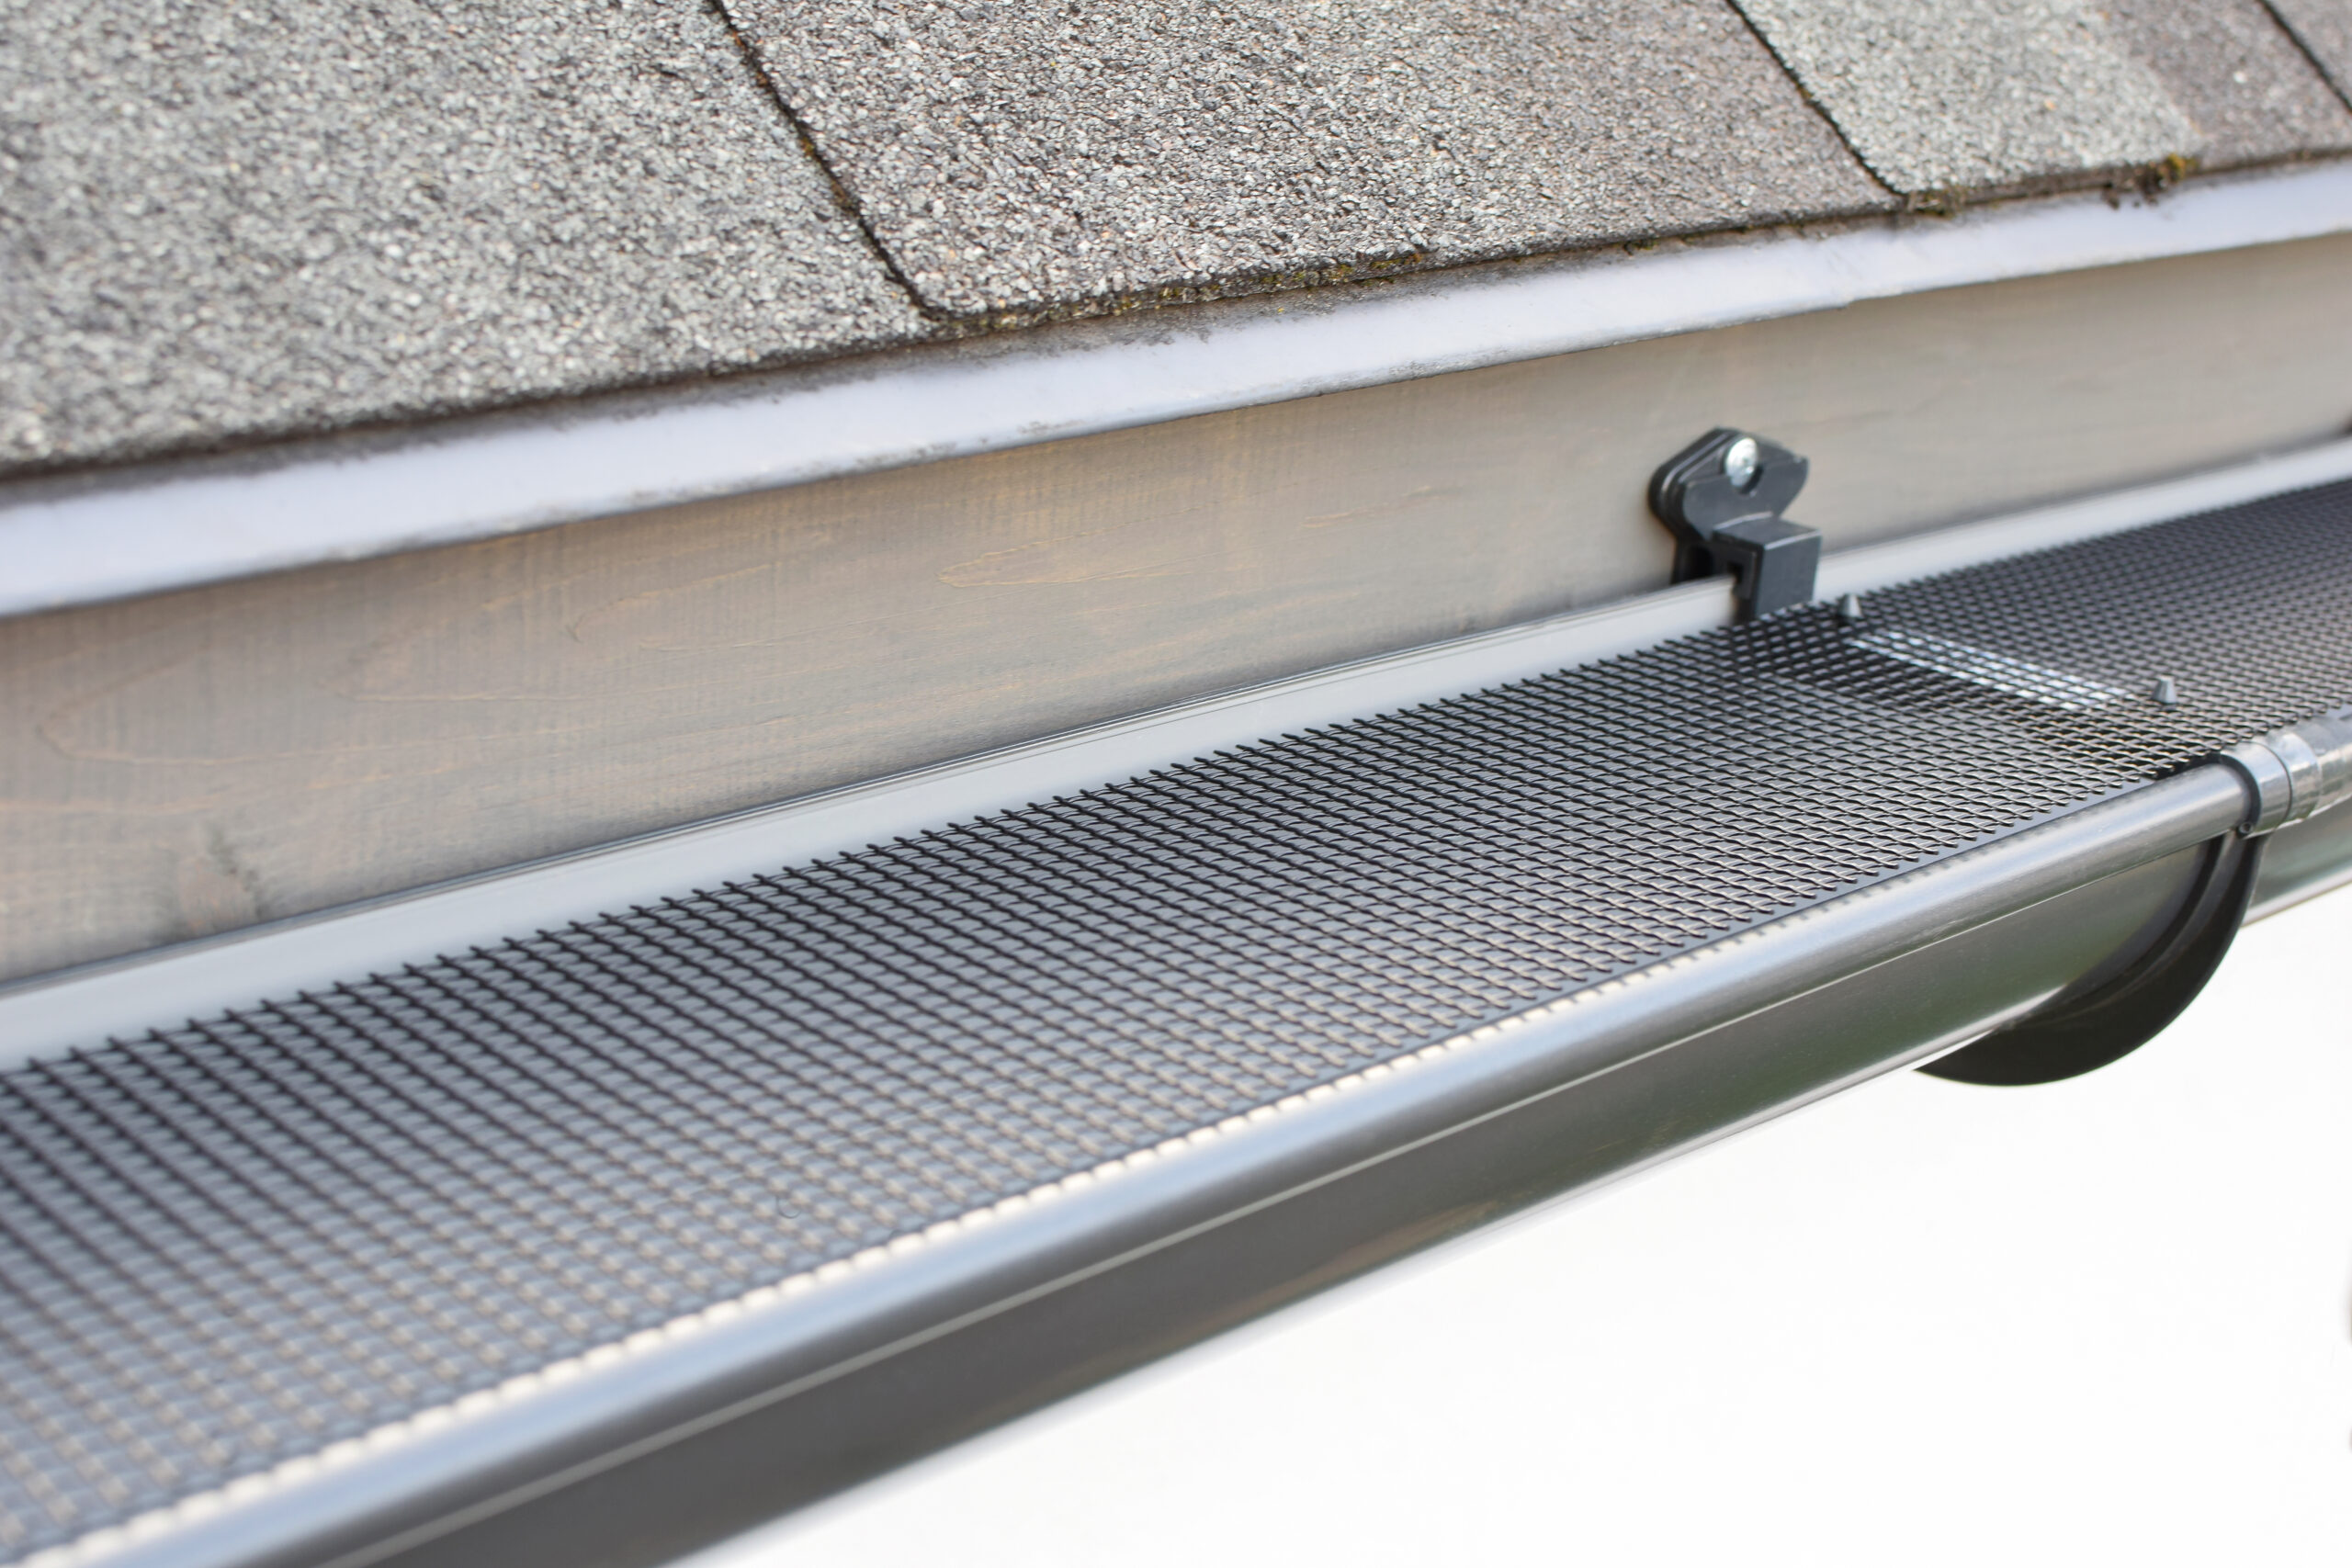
[{"x": 694, "y": 1185}]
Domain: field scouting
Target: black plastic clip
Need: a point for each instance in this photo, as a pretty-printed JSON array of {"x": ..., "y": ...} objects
[{"x": 1722, "y": 495}]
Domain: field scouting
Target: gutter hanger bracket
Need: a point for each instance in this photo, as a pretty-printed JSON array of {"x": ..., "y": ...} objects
[{"x": 1722, "y": 495}]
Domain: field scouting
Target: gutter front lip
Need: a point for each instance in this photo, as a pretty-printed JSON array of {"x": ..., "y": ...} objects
[
  {"x": 146, "y": 529},
  {"x": 726, "y": 1360}
]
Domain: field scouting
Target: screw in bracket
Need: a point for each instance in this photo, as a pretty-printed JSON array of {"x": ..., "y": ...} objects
[{"x": 1742, "y": 461}]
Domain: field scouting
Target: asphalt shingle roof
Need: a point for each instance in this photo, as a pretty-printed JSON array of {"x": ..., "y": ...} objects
[
  {"x": 2241, "y": 78},
  {"x": 2324, "y": 28},
  {"x": 1020, "y": 157},
  {"x": 220, "y": 223},
  {"x": 1954, "y": 96},
  {"x": 280, "y": 215}
]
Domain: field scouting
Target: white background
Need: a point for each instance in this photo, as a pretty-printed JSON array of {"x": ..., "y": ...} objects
[{"x": 2102, "y": 1321}]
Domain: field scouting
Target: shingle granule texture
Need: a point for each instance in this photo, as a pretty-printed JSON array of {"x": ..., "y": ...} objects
[
  {"x": 284, "y": 215},
  {"x": 1953, "y": 94},
  {"x": 2250, "y": 92},
  {"x": 1019, "y": 157},
  {"x": 2325, "y": 29}
]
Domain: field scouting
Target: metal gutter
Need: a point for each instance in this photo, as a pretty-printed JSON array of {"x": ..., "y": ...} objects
[
  {"x": 92, "y": 1002},
  {"x": 1267, "y": 1020},
  {"x": 140, "y": 530},
  {"x": 2301, "y": 863},
  {"x": 725, "y": 1361}
]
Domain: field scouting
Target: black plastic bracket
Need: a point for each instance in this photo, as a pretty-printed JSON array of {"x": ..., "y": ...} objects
[{"x": 1722, "y": 495}]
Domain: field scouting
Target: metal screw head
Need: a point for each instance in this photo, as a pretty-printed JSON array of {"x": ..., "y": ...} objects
[{"x": 1741, "y": 463}]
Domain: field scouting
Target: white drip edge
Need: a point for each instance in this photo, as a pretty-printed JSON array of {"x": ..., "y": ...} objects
[{"x": 152, "y": 527}]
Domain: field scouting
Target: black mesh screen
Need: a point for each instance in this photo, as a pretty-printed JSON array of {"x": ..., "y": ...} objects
[{"x": 240, "y": 1239}]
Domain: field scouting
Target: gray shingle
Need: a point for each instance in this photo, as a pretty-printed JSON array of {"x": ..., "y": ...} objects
[
  {"x": 2325, "y": 29},
  {"x": 1013, "y": 156},
  {"x": 221, "y": 221},
  {"x": 2237, "y": 73},
  {"x": 1958, "y": 94}
]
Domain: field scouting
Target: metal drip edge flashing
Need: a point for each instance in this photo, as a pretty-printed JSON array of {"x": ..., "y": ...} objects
[{"x": 733, "y": 1356}]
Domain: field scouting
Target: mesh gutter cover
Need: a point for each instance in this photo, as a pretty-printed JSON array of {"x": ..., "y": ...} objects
[{"x": 234, "y": 1243}]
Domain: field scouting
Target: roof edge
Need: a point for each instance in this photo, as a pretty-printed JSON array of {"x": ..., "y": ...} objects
[{"x": 125, "y": 532}]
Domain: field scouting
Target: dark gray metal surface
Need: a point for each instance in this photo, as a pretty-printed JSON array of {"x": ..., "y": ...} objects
[
  {"x": 859, "y": 1333},
  {"x": 836, "y": 1432},
  {"x": 2303, "y": 861},
  {"x": 241, "y": 1240}
]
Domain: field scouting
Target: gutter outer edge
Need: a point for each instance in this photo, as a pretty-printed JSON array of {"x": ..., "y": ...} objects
[{"x": 76, "y": 540}]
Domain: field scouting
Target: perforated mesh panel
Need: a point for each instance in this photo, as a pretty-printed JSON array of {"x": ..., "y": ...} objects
[{"x": 237, "y": 1240}]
